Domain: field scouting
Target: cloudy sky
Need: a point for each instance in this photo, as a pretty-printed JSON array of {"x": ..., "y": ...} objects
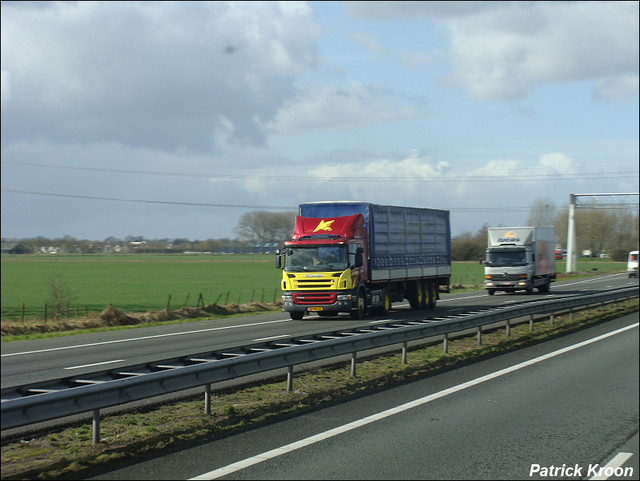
[{"x": 172, "y": 119}]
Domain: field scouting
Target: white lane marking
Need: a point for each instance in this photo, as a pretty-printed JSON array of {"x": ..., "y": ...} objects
[
  {"x": 271, "y": 338},
  {"x": 231, "y": 468},
  {"x": 95, "y": 364},
  {"x": 609, "y": 469},
  {"x": 145, "y": 338}
]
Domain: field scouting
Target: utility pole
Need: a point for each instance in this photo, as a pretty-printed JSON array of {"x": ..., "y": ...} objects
[{"x": 571, "y": 228}]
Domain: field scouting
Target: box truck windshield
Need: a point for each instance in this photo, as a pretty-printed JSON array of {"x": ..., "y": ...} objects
[
  {"x": 506, "y": 257},
  {"x": 316, "y": 258}
]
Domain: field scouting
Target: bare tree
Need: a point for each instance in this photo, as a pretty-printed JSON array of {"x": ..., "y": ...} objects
[
  {"x": 542, "y": 213},
  {"x": 261, "y": 226}
]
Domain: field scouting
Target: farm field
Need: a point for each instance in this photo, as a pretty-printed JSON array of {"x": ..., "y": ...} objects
[
  {"x": 140, "y": 283},
  {"x": 135, "y": 283}
]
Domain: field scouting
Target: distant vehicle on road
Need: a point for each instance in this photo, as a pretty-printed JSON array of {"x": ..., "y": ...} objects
[
  {"x": 520, "y": 258},
  {"x": 632, "y": 264}
]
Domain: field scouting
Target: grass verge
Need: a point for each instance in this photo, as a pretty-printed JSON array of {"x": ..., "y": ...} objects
[{"x": 67, "y": 453}]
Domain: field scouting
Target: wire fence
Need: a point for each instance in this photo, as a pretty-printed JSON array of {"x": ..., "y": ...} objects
[{"x": 48, "y": 311}]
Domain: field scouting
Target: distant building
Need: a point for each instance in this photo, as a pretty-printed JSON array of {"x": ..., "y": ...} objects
[{"x": 15, "y": 248}]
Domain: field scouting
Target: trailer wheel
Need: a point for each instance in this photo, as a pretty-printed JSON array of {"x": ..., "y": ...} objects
[
  {"x": 386, "y": 302},
  {"x": 432, "y": 295},
  {"x": 416, "y": 296}
]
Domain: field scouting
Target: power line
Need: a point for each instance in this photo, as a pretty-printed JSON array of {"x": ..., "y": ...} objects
[
  {"x": 360, "y": 178},
  {"x": 145, "y": 201},
  {"x": 242, "y": 206}
]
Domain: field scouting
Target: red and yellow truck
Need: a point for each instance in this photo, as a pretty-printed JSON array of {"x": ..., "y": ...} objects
[{"x": 358, "y": 257}]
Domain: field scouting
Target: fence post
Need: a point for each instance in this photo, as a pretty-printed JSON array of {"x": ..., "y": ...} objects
[
  {"x": 22, "y": 314},
  {"x": 353, "y": 364},
  {"x": 45, "y": 312},
  {"x": 404, "y": 352},
  {"x": 508, "y": 328},
  {"x": 530, "y": 322},
  {"x": 168, "y": 303},
  {"x": 445, "y": 343},
  {"x": 207, "y": 399},
  {"x": 96, "y": 426},
  {"x": 289, "y": 378},
  {"x": 479, "y": 341}
]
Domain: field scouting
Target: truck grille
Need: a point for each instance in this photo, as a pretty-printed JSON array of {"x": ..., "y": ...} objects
[
  {"x": 301, "y": 281},
  {"x": 506, "y": 277},
  {"x": 314, "y": 297}
]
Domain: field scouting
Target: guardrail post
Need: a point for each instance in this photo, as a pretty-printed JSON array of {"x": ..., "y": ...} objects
[
  {"x": 445, "y": 343},
  {"x": 353, "y": 364},
  {"x": 404, "y": 352},
  {"x": 96, "y": 426},
  {"x": 479, "y": 341},
  {"x": 289, "y": 378},
  {"x": 207, "y": 399}
]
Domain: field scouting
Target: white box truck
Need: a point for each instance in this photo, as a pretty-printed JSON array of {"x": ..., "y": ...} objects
[{"x": 520, "y": 259}]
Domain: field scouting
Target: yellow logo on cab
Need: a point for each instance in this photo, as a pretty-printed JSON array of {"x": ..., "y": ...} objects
[{"x": 324, "y": 225}]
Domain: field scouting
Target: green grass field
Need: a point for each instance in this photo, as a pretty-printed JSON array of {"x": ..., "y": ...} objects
[
  {"x": 140, "y": 283},
  {"x": 136, "y": 283}
]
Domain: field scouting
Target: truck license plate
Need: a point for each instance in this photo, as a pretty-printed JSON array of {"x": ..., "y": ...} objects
[{"x": 319, "y": 308}]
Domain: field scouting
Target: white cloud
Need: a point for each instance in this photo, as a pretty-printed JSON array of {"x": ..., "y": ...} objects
[
  {"x": 158, "y": 75},
  {"x": 325, "y": 109},
  {"x": 504, "y": 50}
]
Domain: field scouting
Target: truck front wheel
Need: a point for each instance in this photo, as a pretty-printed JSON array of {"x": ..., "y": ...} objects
[
  {"x": 361, "y": 306},
  {"x": 296, "y": 315}
]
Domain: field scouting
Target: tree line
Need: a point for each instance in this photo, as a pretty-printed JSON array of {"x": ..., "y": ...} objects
[{"x": 612, "y": 230}]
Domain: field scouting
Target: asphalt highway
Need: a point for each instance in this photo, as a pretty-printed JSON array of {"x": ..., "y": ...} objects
[
  {"x": 39, "y": 360},
  {"x": 568, "y": 406}
]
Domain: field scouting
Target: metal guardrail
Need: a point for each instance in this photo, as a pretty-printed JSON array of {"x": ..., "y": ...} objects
[{"x": 26, "y": 405}]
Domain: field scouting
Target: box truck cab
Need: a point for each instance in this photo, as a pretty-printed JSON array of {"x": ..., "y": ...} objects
[
  {"x": 519, "y": 258},
  {"x": 632, "y": 264}
]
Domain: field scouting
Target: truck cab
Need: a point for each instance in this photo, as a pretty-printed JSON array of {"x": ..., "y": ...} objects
[{"x": 323, "y": 267}]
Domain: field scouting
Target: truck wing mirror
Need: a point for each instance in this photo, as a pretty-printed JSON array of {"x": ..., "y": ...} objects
[
  {"x": 359, "y": 260},
  {"x": 278, "y": 259}
]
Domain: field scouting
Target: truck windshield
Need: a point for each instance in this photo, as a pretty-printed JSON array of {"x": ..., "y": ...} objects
[
  {"x": 316, "y": 258},
  {"x": 501, "y": 257}
]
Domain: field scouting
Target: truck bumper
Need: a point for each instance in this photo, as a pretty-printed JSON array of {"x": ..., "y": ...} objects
[
  {"x": 508, "y": 285},
  {"x": 309, "y": 302}
]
